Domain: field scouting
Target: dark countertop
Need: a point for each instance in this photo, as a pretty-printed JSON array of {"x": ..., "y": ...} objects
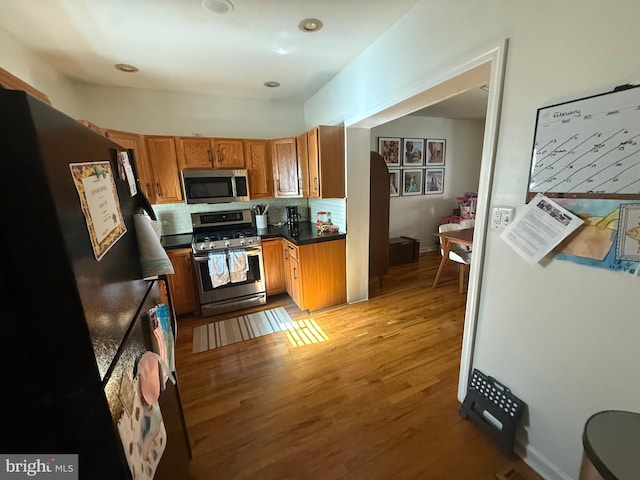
[
  {"x": 306, "y": 234},
  {"x": 180, "y": 240}
]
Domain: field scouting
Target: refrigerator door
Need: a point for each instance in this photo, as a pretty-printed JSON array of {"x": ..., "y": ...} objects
[{"x": 120, "y": 392}]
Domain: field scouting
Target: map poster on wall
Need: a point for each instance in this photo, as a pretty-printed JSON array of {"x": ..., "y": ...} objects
[
  {"x": 99, "y": 200},
  {"x": 609, "y": 238},
  {"x": 588, "y": 148}
]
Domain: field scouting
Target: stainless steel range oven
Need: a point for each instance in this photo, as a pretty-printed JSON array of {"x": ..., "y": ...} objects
[{"x": 228, "y": 260}]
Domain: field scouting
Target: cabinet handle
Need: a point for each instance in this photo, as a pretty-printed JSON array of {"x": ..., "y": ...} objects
[
  {"x": 158, "y": 189},
  {"x": 286, "y": 254},
  {"x": 278, "y": 182},
  {"x": 315, "y": 183},
  {"x": 218, "y": 153},
  {"x": 295, "y": 273},
  {"x": 149, "y": 187},
  {"x": 210, "y": 158}
]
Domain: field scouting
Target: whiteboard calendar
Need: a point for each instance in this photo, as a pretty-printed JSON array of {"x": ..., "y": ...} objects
[{"x": 589, "y": 147}]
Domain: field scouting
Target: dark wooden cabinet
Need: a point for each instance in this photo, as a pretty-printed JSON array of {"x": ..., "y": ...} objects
[{"x": 378, "y": 217}]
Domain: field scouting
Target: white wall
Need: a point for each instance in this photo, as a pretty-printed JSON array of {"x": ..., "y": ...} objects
[
  {"x": 419, "y": 216},
  {"x": 164, "y": 113},
  {"x": 563, "y": 337},
  {"x": 22, "y": 63}
]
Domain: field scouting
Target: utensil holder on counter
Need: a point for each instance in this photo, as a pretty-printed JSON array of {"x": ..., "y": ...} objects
[{"x": 261, "y": 221}]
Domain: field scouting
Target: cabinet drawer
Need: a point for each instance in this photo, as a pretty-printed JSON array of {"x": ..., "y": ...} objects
[{"x": 292, "y": 250}]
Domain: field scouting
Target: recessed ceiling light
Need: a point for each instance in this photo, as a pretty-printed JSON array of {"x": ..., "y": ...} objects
[
  {"x": 217, "y": 6},
  {"x": 123, "y": 67},
  {"x": 271, "y": 84},
  {"x": 310, "y": 25}
]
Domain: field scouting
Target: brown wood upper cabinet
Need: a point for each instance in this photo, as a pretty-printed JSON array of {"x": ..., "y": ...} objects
[
  {"x": 194, "y": 152},
  {"x": 136, "y": 143},
  {"x": 258, "y": 164},
  {"x": 303, "y": 162},
  {"x": 164, "y": 167},
  {"x": 227, "y": 153},
  {"x": 200, "y": 152},
  {"x": 325, "y": 146},
  {"x": 285, "y": 167}
]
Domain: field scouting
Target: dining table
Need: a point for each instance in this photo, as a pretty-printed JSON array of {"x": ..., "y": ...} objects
[{"x": 463, "y": 237}]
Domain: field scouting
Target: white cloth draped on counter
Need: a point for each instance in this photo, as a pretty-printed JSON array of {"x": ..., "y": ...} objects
[
  {"x": 218, "y": 270},
  {"x": 238, "y": 265}
]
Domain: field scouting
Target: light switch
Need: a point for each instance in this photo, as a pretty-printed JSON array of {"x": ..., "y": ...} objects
[{"x": 501, "y": 217}]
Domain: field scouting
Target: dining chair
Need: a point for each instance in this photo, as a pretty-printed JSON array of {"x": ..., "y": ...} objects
[
  {"x": 467, "y": 223},
  {"x": 458, "y": 253}
]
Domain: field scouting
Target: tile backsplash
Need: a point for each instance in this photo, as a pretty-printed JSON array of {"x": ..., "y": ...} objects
[{"x": 176, "y": 217}]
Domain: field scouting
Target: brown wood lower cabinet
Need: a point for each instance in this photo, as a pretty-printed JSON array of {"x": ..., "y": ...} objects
[
  {"x": 182, "y": 283},
  {"x": 273, "y": 266},
  {"x": 316, "y": 275}
]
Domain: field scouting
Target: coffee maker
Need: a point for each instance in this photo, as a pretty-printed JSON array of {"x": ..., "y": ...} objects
[{"x": 293, "y": 217}]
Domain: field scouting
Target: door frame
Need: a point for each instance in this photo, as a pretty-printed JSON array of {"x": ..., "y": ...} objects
[{"x": 465, "y": 76}]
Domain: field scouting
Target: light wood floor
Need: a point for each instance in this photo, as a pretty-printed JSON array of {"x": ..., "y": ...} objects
[{"x": 377, "y": 400}]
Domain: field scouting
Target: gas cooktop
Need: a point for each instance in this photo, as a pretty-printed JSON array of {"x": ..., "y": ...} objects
[{"x": 223, "y": 230}]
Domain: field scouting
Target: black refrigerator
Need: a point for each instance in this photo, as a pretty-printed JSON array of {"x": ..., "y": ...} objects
[{"x": 73, "y": 326}]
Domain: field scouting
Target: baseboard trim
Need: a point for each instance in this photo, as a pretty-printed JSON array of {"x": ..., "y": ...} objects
[{"x": 539, "y": 463}]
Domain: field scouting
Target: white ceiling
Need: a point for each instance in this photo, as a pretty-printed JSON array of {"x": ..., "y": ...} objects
[
  {"x": 179, "y": 46},
  {"x": 469, "y": 105}
]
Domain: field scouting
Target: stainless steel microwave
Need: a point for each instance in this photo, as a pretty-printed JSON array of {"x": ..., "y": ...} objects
[{"x": 215, "y": 186}]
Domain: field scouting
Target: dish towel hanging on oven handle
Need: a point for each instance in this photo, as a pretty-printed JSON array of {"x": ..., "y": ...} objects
[
  {"x": 218, "y": 270},
  {"x": 238, "y": 265}
]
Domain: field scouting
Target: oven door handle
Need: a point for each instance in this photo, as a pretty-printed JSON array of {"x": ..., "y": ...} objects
[{"x": 250, "y": 252}]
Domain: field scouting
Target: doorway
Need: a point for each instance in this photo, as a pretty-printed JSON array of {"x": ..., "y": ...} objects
[{"x": 487, "y": 68}]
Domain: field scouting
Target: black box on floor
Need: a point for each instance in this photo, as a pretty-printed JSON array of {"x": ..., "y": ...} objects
[{"x": 403, "y": 250}]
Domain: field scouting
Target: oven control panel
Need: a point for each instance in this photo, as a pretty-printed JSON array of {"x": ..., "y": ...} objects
[{"x": 226, "y": 244}]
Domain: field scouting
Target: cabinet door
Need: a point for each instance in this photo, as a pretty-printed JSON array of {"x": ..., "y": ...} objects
[
  {"x": 314, "y": 163},
  {"x": 227, "y": 153},
  {"x": 258, "y": 165},
  {"x": 323, "y": 274},
  {"x": 92, "y": 126},
  {"x": 326, "y": 161},
  {"x": 285, "y": 167},
  {"x": 273, "y": 266},
  {"x": 181, "y": 284},
  {"x": 303, "y": 162},
  {"x": 293, "y": 277},
  {"x": 296, "y": 282},
  {"x": 194, "y": 152},
  {"x": 164, "y": 165},
  {"x": 135, "y": 142}
]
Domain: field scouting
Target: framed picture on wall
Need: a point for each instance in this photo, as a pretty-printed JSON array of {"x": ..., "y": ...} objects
[
  {"x": 412, "y": 181},
  {"x": 434, "y": 181},
  {"x": 394, "y": 182},
  {"x": 413, "y": 152},
  {"x": 435, "y": 151},
  {"x": 389, "y": 148}
]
